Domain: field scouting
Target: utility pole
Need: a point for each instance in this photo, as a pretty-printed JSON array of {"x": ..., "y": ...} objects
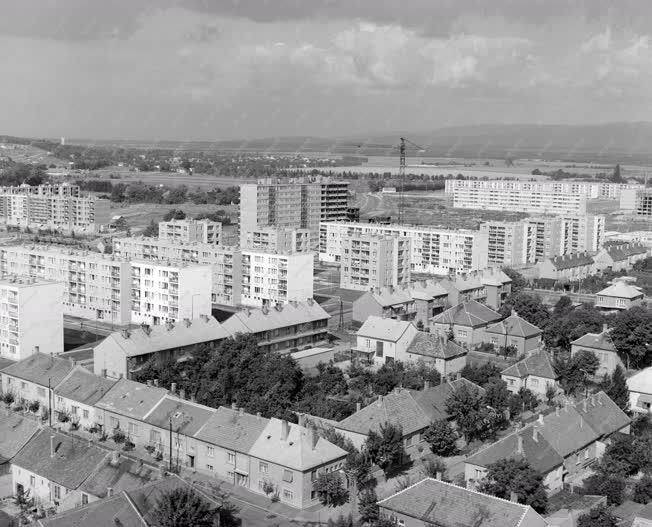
[
  {"x": 49, "y": 402},
  {"x": 170, "y": 443},
  {"x": 341, "y": 323}
]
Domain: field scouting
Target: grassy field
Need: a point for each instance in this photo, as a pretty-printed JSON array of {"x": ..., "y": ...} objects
[
  {"x": 28, "y": 154},
  {"x": 171, "y": 179}
]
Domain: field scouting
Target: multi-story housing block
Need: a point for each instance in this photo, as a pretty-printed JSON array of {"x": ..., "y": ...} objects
[
  {"x": 31, "y": 317},
  {"x": 225, "y": 261},
  {"x": 96, "y": 286},
  {"x": 432, "y": 250},
  {"x": 268, "y": 279},
  {"x": 162, "y": 292},
  {"x": 372, "y": 261},
  {"x": 637, "y": 201},
  {"x": 277, "y": 239},
  {"x": 188, "y": 230}
]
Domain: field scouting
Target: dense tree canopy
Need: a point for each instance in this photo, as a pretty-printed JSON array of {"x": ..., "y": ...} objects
[
  {"x": 385, "y": 448},
  {"x": 182, "y": 507},
  {"x": 516, "y": 475},
  {"x": 474, "y": 418}
]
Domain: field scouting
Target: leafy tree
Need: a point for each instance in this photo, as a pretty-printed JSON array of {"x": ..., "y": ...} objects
[
  {"x": 516, "y": 475},
  {"x": 434, "y": 468},
  {"x": 561, "y": 330},
  {"x": 551, "y": 393},
  {"x": 24, "y": 502},
  {"x": 330, "y": 489},
  {"x": 386, "y": 448},
  {"x": 450, "y": 336},
  {"x": 630, "y": 333},
  {"x": 617, "y": 177},
  {"x": 518, "y": 280},
  {"x": 383, "y": 522},
  {"x": 529, "y": 401},
  {"x": 624, "y": 456},
  {"x": 497, "y": 395},
  {"x": 529, "y": 307},
  {"x": 617, "y": 388},
  {"x": 613, "y": 487},
  {"x": 174, "y": 214},
  {"x": 467, "y": 408},
  {"x": 183, "y": 506},
  {"x": 597, "y": 517},
  {"x": 368, "y": 506},
  {"x": 151, "y": 231},
  {"x": 643, "y": 490},
  {"x": 482, "y": 375},
  {"x": 340, "y": 521},
  {"x": 575, "y": 371},
  {"x": 441, "y": 436},
  {"x": 562, "y": 307}
]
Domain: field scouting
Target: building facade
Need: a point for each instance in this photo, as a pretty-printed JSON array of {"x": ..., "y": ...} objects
[
  {"x": 188, "y": 231},
  {"x": 637, "y": 201},
  {"x": 277, "y": 239}
]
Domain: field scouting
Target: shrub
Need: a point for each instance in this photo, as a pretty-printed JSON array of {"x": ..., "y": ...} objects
[
  {"x": 34, "y": 406},
  {"x": 8, "y": 398},
  {"x": 129, "y": 445},
  {"x": 118, "y": 436},
  {"x": 63, "y": 417},
  {"x": 149, "y": 448},
  {"x": 268, "y": 487}
]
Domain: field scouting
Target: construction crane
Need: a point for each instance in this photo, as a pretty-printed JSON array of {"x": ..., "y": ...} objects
[{"x": 401, "y": 174}]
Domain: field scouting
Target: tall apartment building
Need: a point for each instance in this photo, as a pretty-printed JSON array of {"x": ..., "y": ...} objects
[
  {"x": 506, "y": 242},
  {"x": 294, "y": 203},
  {"x": 373, "y": 261},
  {"x": 31, "y": 317},
  {"x": 225, "y": 261},
  {"x": 637, "y": 201},
  {"x": 268, "y": 279},
  {"x": 52, "y": 206},
  {"x": 96, "y": 286},
  {"x": 432, "y": 250},
  {"x": 277, "y": 239},
  {"x": 162, "y": 293},
  {"x": 188, "y": 230}
]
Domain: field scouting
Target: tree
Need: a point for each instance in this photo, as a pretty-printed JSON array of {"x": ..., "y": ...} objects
[
  {"x": 497, "y": 395},
  {"x": 420, "y": 325},
  {"x": 597, "y": 517},
  {"x": 450, "y": 336},
  {"x": 174, "y": 214},
  {"x": 551, "y": 393},
  {"x": 24, "y": 502},
  {"x": 518, "y": 280},
  {"x": 516, "y": 475},
  {"x": 630, "y": 333},
  {"x": 643, "y": 490},
  {"x": 575, "y": 371},
  {"x": 441, "y": 436},
  {"x": 562, "y": 307},
  {"x": 184, "y": 506},
  {"x": 368, "y": 506},
  {"x": 151, "y": 231},
  {"x": 473, "y": 417},
  {"x": 624, "y": 456},
  {"x": 330, "y": 489},
  {"x": 434, "y": 468},
  {"x": 617, "y": 388},
  {"x": 613, "y": 487},
  {"x": 386, "y": 448},
  {"x": 482, "y": 375},
  {"x": 617, "y": 177},
  {"x": 528, "y": 306}
]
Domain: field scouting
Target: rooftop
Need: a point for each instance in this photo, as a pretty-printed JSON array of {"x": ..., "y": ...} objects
[
  {"x": 112, "y": 512},
  {"x": 437, "y": 346},
  {"x": 185, "y": 417},
  {"x": 568, "y": 261},
  {"x": 537, "y": 364},
  {"x": 131, "y": 399},
  {"x": 16, "y": 432},
  {"x": 471, "y": 313},
  {"x": 40, "y": 368},
  {"x": 232, "y": 429},
  {"x": 514, "y": 326},
  {"x": 126, "y": 474},
  {"x": 83, "y": 386},
  {"x": 389, "y": 329},
  {"x": 432, "y": 400},
  {"x": 281, "y": 316},
  {"x": 601, "y": 341},
  {"x": 621, "y": 289},
  {"x": 641, "y": 382},
  {"x": 624, "y": 251}
]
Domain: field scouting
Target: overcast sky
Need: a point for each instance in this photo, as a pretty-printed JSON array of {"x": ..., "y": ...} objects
[{"x": 218, "y": 69}]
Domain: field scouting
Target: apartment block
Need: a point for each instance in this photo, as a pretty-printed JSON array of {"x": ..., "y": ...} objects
[
  {"x": 506, "y": 242},
  {"x": 432, "y": 250},
  {"x": 31, "y": 317},
  {"x": 268, "y": 279},
  {"x": 96, "y": 286},
  {"x": 373, "y": 261},
  {"x": 162, "y": 293},
  {"x": 637, "y": 201},
  {"x": 225, "y": 261},
  {"x": 277, "y": 239},
  {"x": 188, "y": 230},
  {"x": 52, "y": 206},
  {"x": 293, "y": 203}
]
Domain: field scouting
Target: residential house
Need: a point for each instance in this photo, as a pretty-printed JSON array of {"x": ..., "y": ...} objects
[
  {"x": 575, "y": 506},
  {"x": 560, "y": 445},
  {"x": 535, "y": 372},
  {"x": 123, "y": 352},
  {"x": 285, "y": 327},
  {"x": 384, "y": 340},
  {"x": 435, "y": 502},
  {"x": 490, "y": 286},
  {"x": 644, "y": 517},
  {"x": 514, "y": 331},
  {"x": 432, "y": 399},
  {"x": 619, "y": 295},
  {"x": 76, "y": 395},
  {"x": 620, "y": 257},
  {"x": 467, "y": 320},
  {"x": 567, "y": 267},
  {"x": 445, "y": 355},
  {"x": 640, "y": 391},
  {"x": 17, "y": 430},
  {"x": 601, "y": 345}
]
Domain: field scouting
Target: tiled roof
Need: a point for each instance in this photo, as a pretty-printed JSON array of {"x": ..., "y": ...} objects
[
  {"x": 380, "y": 328},
  {"x": 537, "y": 364},
  {"x": 38, "y": 368},
  {"x": 431, "y": 345},
  {"x": 74, "y": 459},
  {"x": 432, "y": 400},
  {"x": 622, "y": 252},
  {"x": 514, "y": 326},
  {"x": 267, "y": 319},
  {"x": 127, "y": 474},
  {"x": 446, "y": 505},
  {"x": 601, "y": 341},
  {"x": 645, "y": 513},
  {"x": 641, "y": 382},
  {"x": 303, "y": 449},
  {"x": 142, "y": 341},
  {"x": 16, "y": 432},
  {"x": 621, "y": 290},
  {"x": 469, "y": 313},
  {"x": 568, "y": 261},
  {"x": 604, "y": 415},
  {"x": 83, "y": 386},
  {"x": 131, "y": 399},
  {"x": 421, "y": 290},
  {"x": 232, "y": 429},
  {"x": 111, "y": 512},
  {"x": 187, "y": 417}
]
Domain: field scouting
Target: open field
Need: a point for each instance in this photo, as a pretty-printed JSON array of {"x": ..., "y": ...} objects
[
  {"x": 28, "y": 154},
  {"x": 172, "y": 179}
]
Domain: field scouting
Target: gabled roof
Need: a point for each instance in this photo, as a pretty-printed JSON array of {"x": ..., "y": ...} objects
[
  {"x": 432, "y": 400},
  {"x": 74, "y": 459},
  {"x": 418, "y": 290},
  {"x": 446, "y": 505},
  {"x": 39, "y": 368},
  {"x": 621, "y": 290},
  {"x": 145, "y": 340},
  {"x": 622, "y": 252},
  {"x": 131, "y": 399},
  {"x": 267, "y": 319},
  {"x": 437, "y": 346},
  {"x": 537, "y": 364},
  {"x": 186, "y": 417},
  {"x": 604, "y": 415},
  {"x": 16, "y": 432},
  {"x": 471, "y": 314},
  {"x": 127, "y": 474},
  {"x": 232, "y": 429},
  {"x": 380, "y": 328},
  {"x": 83, "y": 386},
  {"x": 303, "y": 449},
  {"x": 568, "y": 261},
  {"x": 641, "y": 382},
  {"x": 111, "y": 512},
  {"x": 514, "y": 326},
  {"x": 601, "y": 341}
]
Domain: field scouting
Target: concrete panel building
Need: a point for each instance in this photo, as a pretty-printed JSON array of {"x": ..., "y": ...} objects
[
  {"x": 276, "y": 239},
  {"x": 189, "y": 230},
  {"x": 637, "y": 201}
]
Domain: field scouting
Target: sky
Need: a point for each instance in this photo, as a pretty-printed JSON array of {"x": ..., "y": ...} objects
[{"x": 221, "y": 69}]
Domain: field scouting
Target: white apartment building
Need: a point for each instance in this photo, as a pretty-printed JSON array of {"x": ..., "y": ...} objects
[
  {"x": 432, "y": 250},
  {"x": 637, "y": 201},
  {"x": 225, "y": 261},
  {"x": 268, "y": 279},
  {"x": 31, "y": 317},
  {"x": 277, "y": 239},
  {"x": 169, "y": 292},
  {"x": 188, "y": 230},
  {"x": 96, "y": 286},
  {"x": 373, "y": 261}
]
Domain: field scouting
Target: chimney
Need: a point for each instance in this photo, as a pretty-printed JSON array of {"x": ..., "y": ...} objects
[
  {"x": 438, "y": 475},
  {"x": 258, "y": 415},
  {"x": 302, "y": 420},
  {"x": 285, "y": 430},
  {"x": 380, "y": 400},
  {"x": 519, "y": 447},
  {"x": 358, "y": 406},
  {"x": 156, "y": 383},
  {"x": 513, "y": 497},
  {"x": 605, "y": 328},
  {"x": 541, "y": 419},
  {"x": 182, "y": 393},
  {"x": 173, "y": 387},
  {"x": 584, "y": 407},
  {"x": 150, "y": 383},
  {"x": 458, "y": 375},
  {"x": 52, "y": 437},
  {"x": 314, "y": 438},
  {"x": 234, "y": 406},
  {"x": 426, "y": 384},
  {"x": 581, "y": 422},
  {"x": 36, "y": 349},
  {"x": 109, "y": 492},
  {"x": 557, "y": 411},
  {"x": 241, "y": 411},
  {"x": 115, "y": 458},
  {"x": 535, "y": 434}
]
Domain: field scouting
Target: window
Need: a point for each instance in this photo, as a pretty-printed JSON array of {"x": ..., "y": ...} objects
[
  {"x": 263, "y": 467},
  {"x": 32, "y": 481},
  {"x": 408, "y": 441},
  {"x": 313, "y": 495},
  {"x": 40, "y": 392},
  {"x": 177, "y": 443},
  {"x": 230, "y": 458},
  {"x": 313, "y": 475},
  {"x": 23, "y": 385},
  {"x": 75, "y": 410},
  {"x": 85, "y": 414},
  {"x": 84, "y": 499},
  {"x": 114, "y": 422},
  {"x": 209, "y": 467},
  {"x": 210, "y": 451},
  {"x": 287, "y": 494},
  {"x": 288, "y": 476},
  {"x": 57, "y": 492}
]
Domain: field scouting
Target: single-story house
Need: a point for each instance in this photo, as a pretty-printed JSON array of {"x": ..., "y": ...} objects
[
  {"x": 514, "y": 331},
  {"x": 467, "y": 320},
  {"x": 383, "y": 340},
  {"x": 621, "y": 257},
  {"x": 619, "y": 295},
  {"x": 601, "y": 345},
  {"x": 567, "y": 267},
  {"x": 445, "y": 355},
  {"x": 535, "y": 372}
]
